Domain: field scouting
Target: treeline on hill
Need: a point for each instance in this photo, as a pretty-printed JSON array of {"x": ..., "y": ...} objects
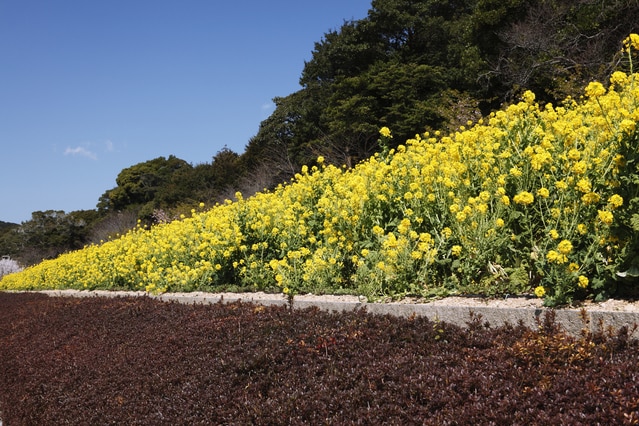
[{"x": 410, "y": 65}]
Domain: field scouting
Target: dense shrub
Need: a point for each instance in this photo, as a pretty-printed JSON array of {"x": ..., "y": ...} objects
[{"x": 142, "y": 361}]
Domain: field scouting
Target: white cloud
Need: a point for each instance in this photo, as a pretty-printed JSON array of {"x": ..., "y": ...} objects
[
  {"x": 266, "y": 110},
  {"x": 109, "y": 145},
  {"x": 80, "y": 151}
]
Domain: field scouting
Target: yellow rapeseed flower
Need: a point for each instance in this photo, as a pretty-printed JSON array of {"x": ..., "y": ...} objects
[
  {"x": 619, "y": 78},
  {"x": 543, "y": 192},
  {"x": 574, "y": 154},
  {"x": 460, "y": 216},
  {"x": 564, "y": 247},
  {"x": 580, "y": 167},
  {"x": 568, "y": 157},
  {"x": 447, "y": 232},
  {"x": 583, "y": 281},
  {"x": 524, "y": 198},
  {"x": 540, "y": 291},
  {"x": 555, "y": 257},
  {"x": 590, "y": 198},
  {"x": 582, "y": 229},
  {"x": 404, "y": 226},
  {"x": 528, "y": 97},
  {"x": 595, "y": 90},
  {"x": 615, "y": 200},
  {"x": 584, "y": 185},
  {"x": 628, "y": 126},
  {"x": 632, "y": 41},
  {"x": 515, "y": 172},
  {"x": 605, "y": 216}
]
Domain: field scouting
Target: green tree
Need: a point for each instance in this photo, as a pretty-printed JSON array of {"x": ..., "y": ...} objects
[
  {"x": 412, "y": 65},
  {"x": 52, "y": 232},
  {"x": 207, "y": 182},
  {"x": 10, "y": 242},
  {"x": 139, "y": 184}
]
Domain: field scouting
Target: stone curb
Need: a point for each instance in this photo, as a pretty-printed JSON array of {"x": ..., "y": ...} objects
[{"x": 609, "y": 316}]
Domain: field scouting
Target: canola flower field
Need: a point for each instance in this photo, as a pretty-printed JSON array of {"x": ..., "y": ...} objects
[{"x": 532, "y": 199}]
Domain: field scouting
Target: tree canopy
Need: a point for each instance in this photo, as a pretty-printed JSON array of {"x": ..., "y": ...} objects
[{"x": 435, "y": 64}]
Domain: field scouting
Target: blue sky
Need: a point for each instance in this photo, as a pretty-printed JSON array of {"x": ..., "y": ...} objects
[{"x": 88, "y": 88}]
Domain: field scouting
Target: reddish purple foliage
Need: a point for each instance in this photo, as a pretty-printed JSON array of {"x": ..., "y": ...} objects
[{"x": 140, "y": 361}]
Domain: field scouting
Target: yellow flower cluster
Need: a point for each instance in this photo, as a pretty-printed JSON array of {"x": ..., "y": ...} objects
[
  {"x": 524, "y": 198},
  {"x": 385, "y": 132},
  {"x": 435, "y": 211},
  {"x": 631, "y": 43}
]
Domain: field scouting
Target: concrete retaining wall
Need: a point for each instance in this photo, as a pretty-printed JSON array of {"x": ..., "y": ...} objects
[{"x": 611, "y": 315}]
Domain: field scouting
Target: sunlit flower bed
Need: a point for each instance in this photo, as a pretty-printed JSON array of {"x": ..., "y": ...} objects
[{"x": 532, "y": 199}]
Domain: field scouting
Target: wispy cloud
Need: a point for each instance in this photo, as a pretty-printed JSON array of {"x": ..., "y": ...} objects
[
  {"x": 267, "y": 109},
  {"x": 109, "y": 146},
  {"x": 80, "y": 151}
]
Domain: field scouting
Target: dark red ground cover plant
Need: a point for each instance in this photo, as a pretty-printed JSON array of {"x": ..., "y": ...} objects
[{"x": 140, "y": 361}]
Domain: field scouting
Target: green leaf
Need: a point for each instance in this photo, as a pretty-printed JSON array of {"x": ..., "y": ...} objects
[{"x": 634, "y": 222}]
